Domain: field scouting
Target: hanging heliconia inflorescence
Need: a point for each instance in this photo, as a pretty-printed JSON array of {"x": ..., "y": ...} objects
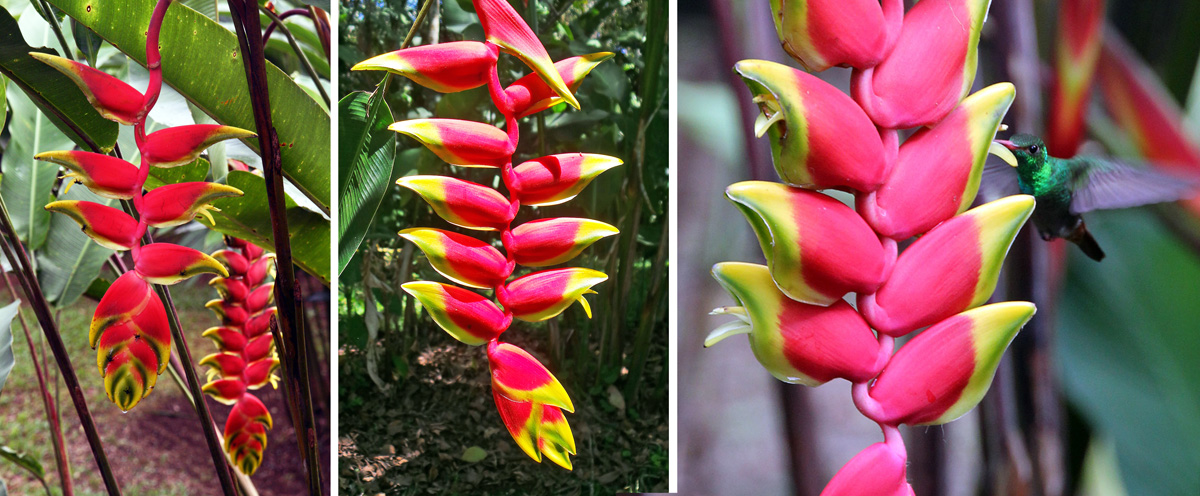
[
  {"x": 530, "y": 399},
  {"x": 910, "y": 70},
  {"x": 246, "y": 360},
  {"x": 130, "y": 330}
]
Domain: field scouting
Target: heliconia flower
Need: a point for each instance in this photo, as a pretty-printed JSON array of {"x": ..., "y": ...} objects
[
  {"x": 231, "y": 314},
  {"x": 930, "y": 69},
  {"x": 952, "y": 268},
  {"x": 167, "y": 263},
  {"x": 174, "y": 204},
  {"x": 230, "y": 288},
  {"x": 463, "y": 203},
  {"x": 518, "y": 376},
  {"x": 460, "y": 142},
  {"x": 113, "y": 99},
  {"x": 543, "y": 242},
  {"x": 1142, "y": 107},
  {"x": 226, "y": 338},
  {"x": 225, "y": 364},
  {"x": 260, "y": 346},
  {"x": 543, "y": 295},
  {"x": 261, "y": 297},
  {"x": 819, "y": 137},
  {"x": 918, "y": 195},
  {"x": 823, "y": 33},
  {"x": 944, "y": 371},
  {"x": 554, "y": 437},
  {"x": 260, "y": 323},
  {"x": 110, "y": 227},
  {"x": 227, "y": 391},
  {"x": 132, "y": 340},
  {"x": 506, "y": 29},
  {"x": 445, "y": 67},
  {"x": 876, "y": 471},
  {"x": 246, "y": 433},
  {"x": 181, "y": 145},
  {"x": 530, "y": 94},
  {"x": 234, "y": 261},
  {"x": 259, "y": 372},
  {"x": 462, "y": 259},
  {"x": 796, "y": 342},
  {"x": 554, "y": 179},
  {"x": 104, "y": 175},
  {"x": 1076, "y": 50},
  {"x": 466, "y": 315},
  {"x": 262, "y": 268},
  {"x": 522, "y": 420},
  {"x": 817, "y": 248}
]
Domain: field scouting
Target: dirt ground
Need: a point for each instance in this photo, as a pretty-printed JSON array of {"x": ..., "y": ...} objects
[
  {"x": 410, "y": 439},
  {"x": 158, "y": 447}
]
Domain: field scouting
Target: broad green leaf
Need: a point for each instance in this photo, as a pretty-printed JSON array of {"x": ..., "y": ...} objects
[
  {"x": 247, "y": 218},
  {"x": 208, "y": 8},
  {"x": 366, "y": 152},
  {"x": 71, "y": 260},
  {"x": 6, "y": 352},
  {"x": 202, "y": 61},
  {"x": 474, "y": 454},
  {"x": 86, "y": 41},
  {"x": 1128, "y": 347},
  {"x": 23, "y": 460},
  {"x": 28, "y": 183},
  {"x": 320, "y": 4},
  {"x": 49, "y": 89}
]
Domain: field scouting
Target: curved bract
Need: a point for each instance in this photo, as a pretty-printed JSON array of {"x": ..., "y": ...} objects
[{"x": 528, "y": 397}]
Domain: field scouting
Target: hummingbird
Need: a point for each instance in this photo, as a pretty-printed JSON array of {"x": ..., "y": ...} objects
[{"x": 1066, "y": 188}]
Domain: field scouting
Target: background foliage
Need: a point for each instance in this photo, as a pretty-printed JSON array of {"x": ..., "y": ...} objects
[{"x": 435, "y": 401}]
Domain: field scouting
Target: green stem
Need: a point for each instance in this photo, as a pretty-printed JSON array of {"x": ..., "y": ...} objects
[
  {"x": 312, "y": 73},
  {"x": 48, "y": 14},
  {"x": 37, "y": 299}
]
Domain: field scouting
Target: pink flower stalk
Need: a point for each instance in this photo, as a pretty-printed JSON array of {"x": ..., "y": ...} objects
[
  {"x": 819, "y": 250},
  {"x": 129, "y": 329},
  {"x": 246, "y": 358},
  {"x": 529, "y": 398}
]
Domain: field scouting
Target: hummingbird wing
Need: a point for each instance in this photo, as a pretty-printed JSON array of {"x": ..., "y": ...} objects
[
  {"x": 999, "y": 180},
  {"x": 1102, "y": 184}
]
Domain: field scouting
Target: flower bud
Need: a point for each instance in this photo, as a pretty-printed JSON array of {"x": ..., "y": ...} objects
[
  {"x": 505, "y": 28},
  {"x": 819, "y": 137},
  {"x": 181, "y": 145},
  {"x": 167, "y": 263},
  {"x": 817, "y": 248},
  {"x": 1076, "y": 50},
  {"x": 796, "y": 342},
  {"x": 459, "y": 142},
  {"x": 174, "y": 204},
  {"x": 113, "y": 99},
  {"x": 518, "y": 376},
  {"x": 544, "y": 242},
  {"x": 824, "y": 33},
  {"x": 555, "y": 179},
  {"x": 462, "y": 259},
  {"x": 530, "y": 94},
  {"x": 463, "y": 203},
  {"x": 543, "y": 295},
  {"x": 952, "y": 268},
  {"x": 945, "y": 370},
  {"x": 465, "y": 315},
  {"x": 875, "y": 471},
  {"x": 445, "y": 67},
  {"x": 106, "y": 176},
  {"x": 107, "y": 226}
]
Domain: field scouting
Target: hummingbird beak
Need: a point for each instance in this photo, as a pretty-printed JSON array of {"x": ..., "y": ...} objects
[{"x": 1003, "y": 149}]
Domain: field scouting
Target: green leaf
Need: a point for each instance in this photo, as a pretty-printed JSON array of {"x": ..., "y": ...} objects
[
  {"x": 1128, "y": 348},
  {"x": 28, "y": 183},
  {"x": 247, "y": 217},
  {"x": 367, "y": 151},
  {"x": 49, "y": 89},
  {"x": 23, "y": 460},
  {"x": 474, "y": 454},
  {"x": 86, "y": 41},
  {"x": 201, "y": 60},
  {"x": 208, "y": 8},
  {"x": 6, "y": 352},
  {"x": 66, "y": 270}
]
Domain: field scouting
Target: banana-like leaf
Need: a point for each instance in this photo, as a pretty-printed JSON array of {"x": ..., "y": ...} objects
[
  {"x": 23, "y": 460},
  {"x": 246, "y": 217},
  {"x": 6, "y": 352},
  {"x": 50, "y": 90},
  {"x": 366, "y": 154},
  {"x": 71, "y": 260},
  {"x": 201, "y": 60},
  {"x": 28, "y": 184}
]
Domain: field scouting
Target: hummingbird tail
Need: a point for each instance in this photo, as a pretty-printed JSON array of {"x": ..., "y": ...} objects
[{"x": 1086, "y": 242}]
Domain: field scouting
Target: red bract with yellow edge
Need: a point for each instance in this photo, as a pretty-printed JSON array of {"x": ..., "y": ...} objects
[{"x": 529, "y": 398}]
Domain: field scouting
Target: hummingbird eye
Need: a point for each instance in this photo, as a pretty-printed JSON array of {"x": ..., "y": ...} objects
[{"x": 1033, "y": 149}]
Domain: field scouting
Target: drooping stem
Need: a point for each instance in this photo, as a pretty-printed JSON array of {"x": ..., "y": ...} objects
[
  {"x": 277, "y": 20},
  {"x": 287, "y": 294},
  {"x": 56, "y": 438},
  {"x": 41, "y": 308}
]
